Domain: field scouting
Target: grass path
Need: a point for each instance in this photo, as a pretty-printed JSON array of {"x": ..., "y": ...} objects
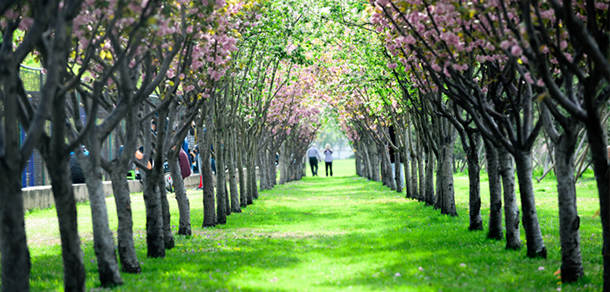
[{"x": 333, "y": 234}]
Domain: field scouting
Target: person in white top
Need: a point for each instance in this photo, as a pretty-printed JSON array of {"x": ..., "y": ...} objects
[
  {"x": 328, "y": 159},
  {"x": 314, "y": 154}
]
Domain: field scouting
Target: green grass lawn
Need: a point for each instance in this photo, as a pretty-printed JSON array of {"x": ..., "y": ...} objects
[{"x": 331, "y": 234}]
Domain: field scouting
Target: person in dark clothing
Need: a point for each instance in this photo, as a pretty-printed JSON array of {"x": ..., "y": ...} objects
[
  {"x": 328, "y": 159},
  {"x": 314, "y": 155}
]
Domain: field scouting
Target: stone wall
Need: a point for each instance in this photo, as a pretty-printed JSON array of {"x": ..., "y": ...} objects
[{"x": 42, "y": 197}]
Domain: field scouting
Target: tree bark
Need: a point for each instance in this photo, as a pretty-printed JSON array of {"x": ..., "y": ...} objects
[
  {"x": 243, "y": 193},
  {"x": 414, "y": 176},
  {"x": 397, "y": 176},
  {"x": 599, "y": 156},
  {"x": 16, "y": 264},
  {"x": 448, "y": 206},
  {"x": 495, "y": 192},
  {"x": 407, "y": 172},
  {"x": 103, "y": 241},
  {"x": 533, "y": 236},
  {"x": 251, "y": 180},
  {"x": 430, "y": 198},
  {"x": 221, "y": 183},
  {"x": 155, "y": 242},
  {"x": 168, "y": 237},
  {"x": 375, "y": 163},
  {"x": 474, "y": 170},
  {"x": 511, "y": 210},
  {"x": 569, "y": 222},
  {"x": 388, "y": 176},
  {"x": 205, "y": 138},
  {"x": 122, "y": 199},
  {"x": 420, "y": 168},
  {"x": 235, "y": 202},
  {"x": 184, "y": 225},
  {"x": 65, "y": 205}
]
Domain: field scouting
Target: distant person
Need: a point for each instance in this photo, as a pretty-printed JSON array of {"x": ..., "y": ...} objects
[
  {"x": 328, "y": 159},
  {"x": 314, "y": 155}
]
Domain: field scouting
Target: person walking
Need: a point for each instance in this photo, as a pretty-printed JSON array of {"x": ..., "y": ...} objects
[
  {"x": 328, "y": 159},
  {"x": 314, "y": 154}
]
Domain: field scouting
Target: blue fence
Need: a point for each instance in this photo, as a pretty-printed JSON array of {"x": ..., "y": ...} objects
[{"x": 35, "y": 173}]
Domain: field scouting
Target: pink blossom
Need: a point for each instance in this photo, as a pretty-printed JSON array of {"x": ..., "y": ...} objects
[
  {"x": 392, "y": 65},
  {"x": 504, "y": 45},
  {"x": 516, "y": 50},
  {"x": 383, "y": 2}
]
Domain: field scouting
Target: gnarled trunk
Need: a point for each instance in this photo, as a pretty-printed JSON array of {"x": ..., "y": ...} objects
[
  {"x": 154, "y": 215},
  {"x": 16, "y": 262},
  {"x": 243, "y": 193},
  {"x": 448, "y": 204},
  {"x": 235, "y": 203},
  {"x": 569, "y": 222},
  {"x": 420, "y": 168},
  {"x": 495, "y": 192},
  {"x": 221, "y": 183},
  {"x": 122, "y": 199},
  {"x": 184, "y": 225},
  {"x": 168, "y": 237},
  {"x": 533, "y": 236},
  {"x": 103, "y": 241},
  {"x": 430, "y": 197},
  {"x": 397, "y": 172},
  {"x": 511, "y": 210},
  {"x": 251, "y": 180},
  {"x": 474, "y": 178},
  {"x": 65, "y": 205}
]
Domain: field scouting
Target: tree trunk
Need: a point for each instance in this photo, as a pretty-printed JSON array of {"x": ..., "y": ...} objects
[
  {"x": 511, "y": 210},
  {"x": 474, "y": 170},
  {"x": 375, "y": 164},
  {"x": 103, "y": 241},
  {"x": 368, "y": 161},
  {"x": 283, "y": 163},
  {"x": 448, "y": 206},
  {"x": 168, "y": 237},
  {"x": 243, "y": 193},
  {"x": 272, "y": 171},
  {"x": 533, "y": 236},
  {"x": 16, "y": 264},
  {"x": 407, "y": 172},
  {"x": 221, "y": 183},
  {"x": 154, "y": 215},
  {"x": 184, "y": 225},
  {"x": 495, "y": 192},
  {"x": 122, "y": 199},
  {"x": 235, "y": 203},
  {"x": 65, "y": 205},
  {"x": 209, "y": 204},
  {"x": 569, "y": 222},
  {"x": 397, "y": 168},
  {"x": 262, "y": 169},
  {"x": 388, "y": 176},
  {"x": 599, "y": 156},
  {"x": 430, "y": 198},
  {"x": 414, "y": 176},
  {"x": 420, "y": 166},
  {"x": 251, "y": 180},
  {"x": 439, "y": 181}
]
